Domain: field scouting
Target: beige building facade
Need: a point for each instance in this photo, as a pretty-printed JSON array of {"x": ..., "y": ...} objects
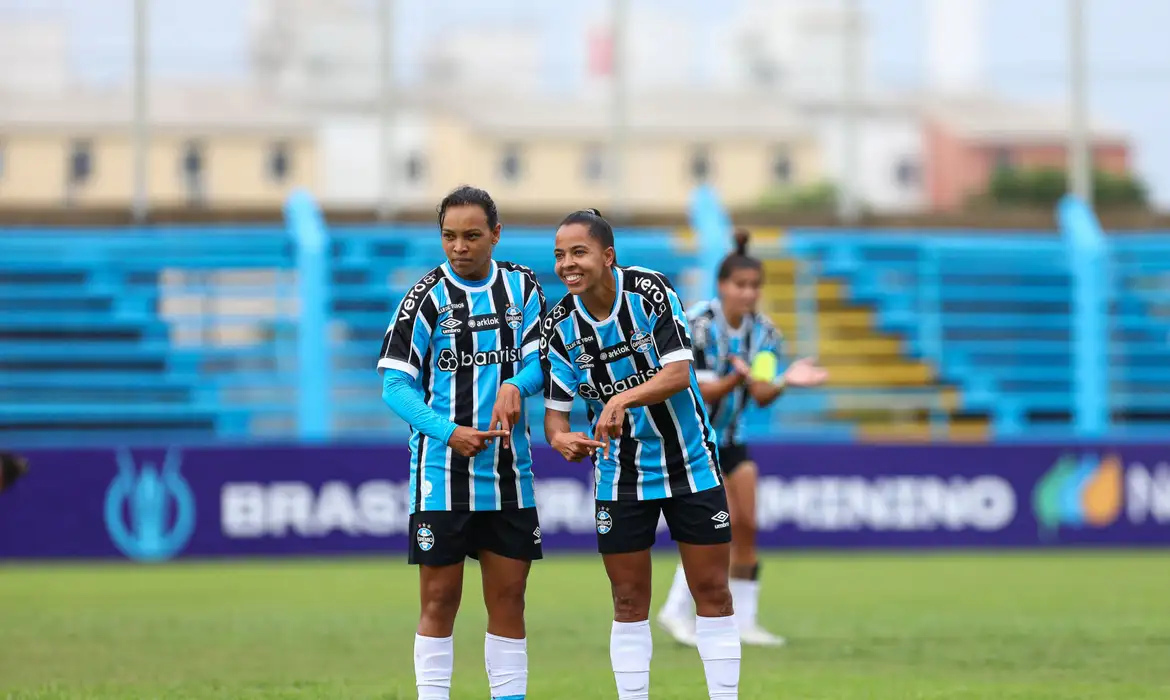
[{"x": 214, "y": 149}]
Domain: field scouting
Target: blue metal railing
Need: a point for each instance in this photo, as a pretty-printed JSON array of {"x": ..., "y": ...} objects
[{"x": 245, "y": 333}]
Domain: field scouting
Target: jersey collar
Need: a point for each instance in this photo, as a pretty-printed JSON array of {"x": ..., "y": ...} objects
[
  {"x": 744, "y": 322},
  {"x": 467, "y": 285},
  {"x": 617, "y": 302}
]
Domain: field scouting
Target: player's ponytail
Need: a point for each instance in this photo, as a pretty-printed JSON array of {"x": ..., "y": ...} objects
[
  {"x": 742, "y": 236},
  {"x": 739, "y": 260}
]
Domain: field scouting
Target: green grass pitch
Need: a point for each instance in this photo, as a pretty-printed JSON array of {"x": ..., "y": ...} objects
[{"x": 982, "y": 626}]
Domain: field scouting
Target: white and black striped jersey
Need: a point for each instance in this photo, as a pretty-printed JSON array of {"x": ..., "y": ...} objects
[
  {"x": 715, "y": 344},
  {"x": 460, "y": 341},
  {"x": 665, "y": 450}
]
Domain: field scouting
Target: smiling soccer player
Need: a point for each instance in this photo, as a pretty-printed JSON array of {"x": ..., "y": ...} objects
[{"x": 620, "y": 341}]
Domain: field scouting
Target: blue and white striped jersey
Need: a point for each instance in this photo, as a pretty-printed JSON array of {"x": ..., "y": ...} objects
[
  {"x": 665, "y": 450},
  {"x": 715, "y": 344},
  {"x": 460, "y": 341}
]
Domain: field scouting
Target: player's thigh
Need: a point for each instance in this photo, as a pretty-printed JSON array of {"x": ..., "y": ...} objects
[
  {"x": 439, "y": 538},
  {"x": 510, "y": 534},
  {"x": 731, "y": 457},
  {"x": 625, "y": 527},
  {"x": 701, "y": 518},
  {"x": 741, "y": 496}
]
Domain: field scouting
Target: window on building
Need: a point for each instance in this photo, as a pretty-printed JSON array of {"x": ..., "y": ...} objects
[
  {"x": 593, "y": 165},
  {"x": 279, "y": 162},
  {"x": 80, "y": 162},
  {"x": 908, "y": 173},
  {"x": 701, "y": 164},
  {"x": 511, "y": 163},
  {"x": 415, "y": 167},
  {"x": 781, "y": 166},
  {"x": 192, "y": 163}
]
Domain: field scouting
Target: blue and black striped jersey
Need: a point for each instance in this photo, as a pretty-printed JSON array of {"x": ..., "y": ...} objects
[
  {"x": 715, "y": 344},
  {"x": 460, "y": 341},
  {"x": 665, "y": 450}
]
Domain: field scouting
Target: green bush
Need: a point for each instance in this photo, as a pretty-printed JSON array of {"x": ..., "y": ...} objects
[
  {"x": 819, "y": 197},
  {"x": 1043, "y": 187}
]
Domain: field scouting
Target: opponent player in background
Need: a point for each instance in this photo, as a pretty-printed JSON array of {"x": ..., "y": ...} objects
[
  {"x": 736, "y": 351},
  {"x": 621, "y": 342},
  {"x": 459, "y": 357}
]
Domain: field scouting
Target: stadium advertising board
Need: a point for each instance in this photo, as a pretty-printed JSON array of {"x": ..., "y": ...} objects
[{"x": 153, "y": 505}]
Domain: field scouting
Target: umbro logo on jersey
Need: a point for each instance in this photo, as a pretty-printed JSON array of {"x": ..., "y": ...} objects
[
  {"x": 722, "y": 520},
  {"x": 585, "y": 361},
  {"x": 450, "y": 325},
  {"x": 448, "y": 361}
]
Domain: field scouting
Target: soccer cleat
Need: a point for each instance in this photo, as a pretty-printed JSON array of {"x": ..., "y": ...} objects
[
  {"x": 757, "y": 636},
  {"x": 682, "y": 628}
]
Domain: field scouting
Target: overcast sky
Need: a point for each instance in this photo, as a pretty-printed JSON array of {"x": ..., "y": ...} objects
[{"x": 1025, "y": 47}]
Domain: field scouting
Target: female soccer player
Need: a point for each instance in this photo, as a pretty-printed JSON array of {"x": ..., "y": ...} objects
[
  {"x": 620, "y": 341},
  {"x": 731, "y": 339},
  {"x": 460, "y": 355}
]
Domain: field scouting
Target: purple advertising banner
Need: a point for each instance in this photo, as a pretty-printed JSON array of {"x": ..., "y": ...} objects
[{"x": 154, "y": 505}]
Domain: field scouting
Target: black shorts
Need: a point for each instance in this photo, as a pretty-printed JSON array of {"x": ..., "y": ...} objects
[
  {"x": 731, "y": 456},
  {"x": 444, "y": 537},
  {"x": 696, "y": 518}
]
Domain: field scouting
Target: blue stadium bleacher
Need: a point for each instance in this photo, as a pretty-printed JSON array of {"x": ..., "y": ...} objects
[{"x": 191, "y": 333}]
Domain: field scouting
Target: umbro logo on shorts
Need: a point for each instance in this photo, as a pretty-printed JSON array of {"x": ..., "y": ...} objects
[
  {"x": 536, "y": 534},
  {"x": 722, "y": 520}
]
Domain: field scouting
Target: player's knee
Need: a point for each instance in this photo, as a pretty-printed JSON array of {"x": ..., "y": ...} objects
[
  {"x": 711, "y": 591},
  {"x": 631, "y": 602},
  {"x": 441, "y": 603},
  {"x": 506, "y": 600}
]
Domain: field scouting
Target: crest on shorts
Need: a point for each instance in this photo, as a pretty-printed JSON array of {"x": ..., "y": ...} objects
[
  {"x": 604, "y": 521},
  {"x": 425, "y": 538}
]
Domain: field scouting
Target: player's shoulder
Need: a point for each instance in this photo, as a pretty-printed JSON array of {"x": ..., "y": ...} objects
[
  {"x": 765, "y": 325},
  {"x": 428, "y": 281},
  {"x": 415, "y": 297},
  {"x": 704, "y": 310},
  {"x": 560, "y": 313},
  {"x": 516, "y": 269},
  {"x": 652, "y": 287},
  {"x": 639, "y": 278}
]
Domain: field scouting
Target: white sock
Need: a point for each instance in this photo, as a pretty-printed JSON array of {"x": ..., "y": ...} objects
[
  {"x": 746, "y": 595},
  {"x": 434, "y": 658},
  {"x": 678, "y": 601},
  {"x": 718, "y": 639},
  {"x": 507, "y": 666},
  {"x": 630, "y": 649}
]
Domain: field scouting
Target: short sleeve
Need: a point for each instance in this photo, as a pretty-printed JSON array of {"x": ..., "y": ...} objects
[
  {"x": 771, "y": 340},
  {"x": 408, "y": 337},
  {"x": 704, "y": 348},
  {"x": 533, "y": 316},
  {"x": 560, "y": 375},
  {"x": 672, "y": 333}
]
